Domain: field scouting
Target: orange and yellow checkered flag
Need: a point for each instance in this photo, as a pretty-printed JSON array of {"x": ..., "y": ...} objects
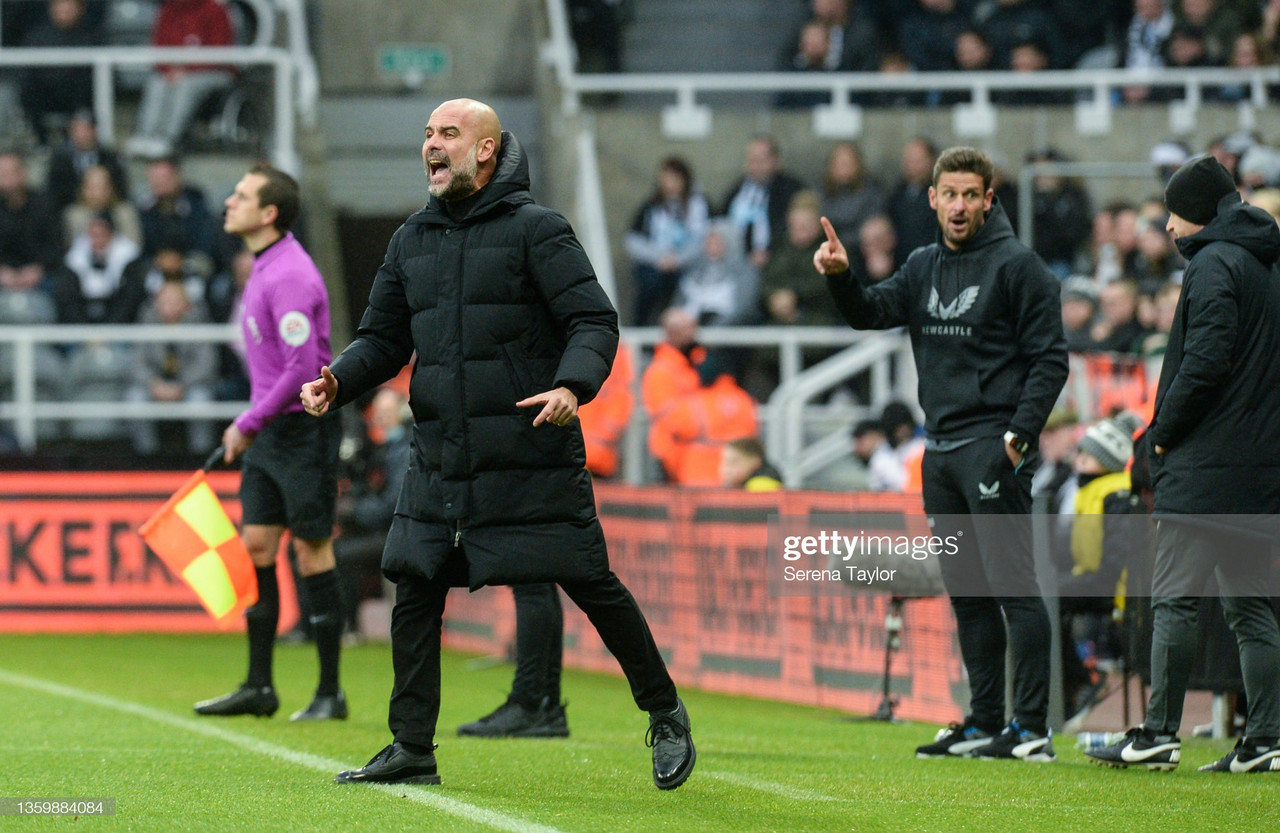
[{"x": 195, "y": 539}]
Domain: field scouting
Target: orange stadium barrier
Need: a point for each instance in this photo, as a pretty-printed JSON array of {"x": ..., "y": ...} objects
[
  {"x": 71, "y": 558},
  {"x": 696, "y": 561}
]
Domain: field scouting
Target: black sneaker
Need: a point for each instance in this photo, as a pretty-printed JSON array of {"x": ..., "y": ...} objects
[
  {"x": 256, "y": 700},
  {"x": 957, "y": 740},
  {"x": 324, "y": 707},
  {"x": 394, "y": 764},
  {"x": 1019, "y": 744},
  {"x": 673, "y": 752},
  {"x": 1248, "y": 756},
  {"x": 1140, "y": 747},
  {"x": 512, "y": 720}
]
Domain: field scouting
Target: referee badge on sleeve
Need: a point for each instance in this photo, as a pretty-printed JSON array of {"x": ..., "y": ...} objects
[{"x": 295, "y": 328}]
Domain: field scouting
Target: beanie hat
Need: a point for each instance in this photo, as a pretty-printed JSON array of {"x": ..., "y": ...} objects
[
  {"x": 1194, "y": 189},
  {"x": 1110, "y": 441}
]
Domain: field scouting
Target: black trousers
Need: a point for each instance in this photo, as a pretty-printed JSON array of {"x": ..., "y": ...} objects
[
  {"x": 416, "y": 621},
  {"x": 539, "y": 644},
  {"x": 973, "y": 493}
]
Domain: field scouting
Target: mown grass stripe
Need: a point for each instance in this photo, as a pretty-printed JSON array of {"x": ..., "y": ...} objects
[{"x": 461, "y": 809}]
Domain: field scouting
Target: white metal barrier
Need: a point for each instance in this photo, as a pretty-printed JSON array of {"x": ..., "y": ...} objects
[{"x": 26, "y": 410}]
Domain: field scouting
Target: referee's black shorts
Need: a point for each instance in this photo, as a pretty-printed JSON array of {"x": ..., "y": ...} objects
[{"x": 289, "y": 476}]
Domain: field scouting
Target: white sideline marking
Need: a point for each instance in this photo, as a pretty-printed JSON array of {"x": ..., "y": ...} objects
[
  {"x": 453, "y": 806},
  {"x": 771, "y": 787}
]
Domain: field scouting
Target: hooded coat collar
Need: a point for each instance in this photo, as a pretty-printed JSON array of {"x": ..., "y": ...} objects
[{"x": 1247, "y": 226}]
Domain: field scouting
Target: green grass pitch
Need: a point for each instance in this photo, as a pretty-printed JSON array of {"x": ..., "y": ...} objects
[{"x": 110, "y": 716}]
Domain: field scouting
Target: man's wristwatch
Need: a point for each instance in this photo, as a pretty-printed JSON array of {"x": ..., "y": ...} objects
[{"x": 1016, "y": 443}]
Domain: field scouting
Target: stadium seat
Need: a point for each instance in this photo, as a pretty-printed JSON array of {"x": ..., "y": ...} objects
[{"x": 97, "y": 373}]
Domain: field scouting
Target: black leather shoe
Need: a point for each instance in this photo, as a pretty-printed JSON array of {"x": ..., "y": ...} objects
[
  {"x": 324, "y": 707},
  {"x": 394, "y": 764},
  {"x": 256, "y": 700},
  {"x": 673, "y": 752},
  {"x": 512, "y": 720}
]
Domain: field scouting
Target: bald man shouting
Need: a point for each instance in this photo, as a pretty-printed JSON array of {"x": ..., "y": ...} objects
[{"x": 511, "y": 332}]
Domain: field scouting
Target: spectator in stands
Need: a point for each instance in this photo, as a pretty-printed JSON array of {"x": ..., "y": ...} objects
[
  {"x": 366, "y": 507},
  {"x": 854, "y": 37},
  {"x": 1270, "y": 28},
  {"x": 1078, "y": 28},
  {"x": 98, "y": 195},
  {"x": 1165, "y": 304},
  {"x": 666, "y": 234},
  {"x": 1228, "y": 149},
  {"x": 174, "y": 92},
  {"x": 604, "y": 420},
  {"x": 1098, "y": 551},
  {"x": 1117, "y": 329},
  {"x": 170, "y": 264},
  {"x": 673, "y": 370},
  {"x": 1259, "y": 167},
  {"x": 1157, "y": 261},
  {"x": 102, "y": 280},
  {"x": 689, "y": 434},
  {"x": 871, "y": 448},
  {"x": 743, "y": 465},
  {"x": 1214, "y": 22},
  {"x": 790, "y": 291},
  {"x": 1150, "y": 27},
  {"x": 1119, "y": 258},
  {"x": 908, "y": 204},
  {"x": 757, "y": 203},
  {"x": 1061, "y": 217},
  {"x": 179, "y": 371},
  {"x": 223, "y": 300},
  {"x": 53, "y": 93},
  {"x": 1031, "y": 55},
  {"x": 972, "y": 52},
  {"x": 906, "y": 439},
  {"x": 720, "y": 285},
  {"x": 811, "y": 55},
  {"x": 597, "y": 27},
  {"x": 1056, "y": 476},
  {"x": 29, "y": 238},
  {"x": 849, "y": 195},
  {"x": 175, "y": 213},
  {"x": 1248, "y": 51},
  {"x": 1010, "y": 23},
  {"x": 72, "y": 159},
  {"x": 1186, "y": 48},
  {"x": 927, "y": 33},
  {"x": 876, "y": 256},
  {"x": 1079, "y": 311},
  {"x": 1268, "y": 199},
  {"x": 1168, "y": 156}
]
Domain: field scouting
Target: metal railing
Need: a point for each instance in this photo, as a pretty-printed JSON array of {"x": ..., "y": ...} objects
[
  {"x": 842, "y": 118},
  {"x": 26, "y": 409}
]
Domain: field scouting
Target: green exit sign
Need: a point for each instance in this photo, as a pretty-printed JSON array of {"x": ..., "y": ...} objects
[{"x": 424, "y": 60}]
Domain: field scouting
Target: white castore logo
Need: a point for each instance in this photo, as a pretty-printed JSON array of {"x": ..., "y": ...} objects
[
  {"x": 986, "y": 492},
  {"x": 958, "y": 307}
]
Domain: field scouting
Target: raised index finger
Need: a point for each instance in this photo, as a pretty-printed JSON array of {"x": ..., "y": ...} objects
[{"x": 830, "y": 230}]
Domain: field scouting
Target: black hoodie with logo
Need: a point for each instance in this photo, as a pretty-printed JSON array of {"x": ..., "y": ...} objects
[
  {"x": 986, "y": 331},
  {"x": 1218, "y": 403}
]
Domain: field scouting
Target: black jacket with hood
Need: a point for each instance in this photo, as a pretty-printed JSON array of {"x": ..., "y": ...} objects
[
  {"x": 986, "y": 331},
  {"x": 499, "y": 304},
  {"x": 1218, "y": 403}
]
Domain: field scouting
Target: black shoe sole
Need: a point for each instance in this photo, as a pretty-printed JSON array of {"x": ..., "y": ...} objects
[{"x": 411, "y": 779}]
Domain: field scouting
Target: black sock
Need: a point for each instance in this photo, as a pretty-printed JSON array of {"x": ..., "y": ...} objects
[
  {"x": 326, "y": 624},
  {"x": 262, "y": 620}
]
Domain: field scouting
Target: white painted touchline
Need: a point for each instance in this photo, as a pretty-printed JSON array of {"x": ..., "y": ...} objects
[{"x": 453, "y": 806}]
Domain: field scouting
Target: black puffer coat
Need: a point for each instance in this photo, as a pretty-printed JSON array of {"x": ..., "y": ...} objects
[
  {"x": 1218, "y": 403},
  {"x": 500, "y": 304}
]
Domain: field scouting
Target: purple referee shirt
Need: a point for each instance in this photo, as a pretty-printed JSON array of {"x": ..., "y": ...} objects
[{"x": 285, "y": 316}]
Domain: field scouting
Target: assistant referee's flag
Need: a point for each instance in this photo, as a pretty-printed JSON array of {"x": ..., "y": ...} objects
[{"x": 195, "y": 539}]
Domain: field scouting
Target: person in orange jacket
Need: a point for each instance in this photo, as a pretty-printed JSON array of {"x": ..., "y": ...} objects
[
  {"x": 604, "y": 419},
  {"x": 673, "y": 370},
  {"x": 689, "y": 436}
]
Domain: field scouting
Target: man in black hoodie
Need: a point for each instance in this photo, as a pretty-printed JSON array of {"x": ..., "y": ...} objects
[
  {"x": 495, "y": 301},
  {"x": 1215, "y": 465},
  {"x": 986, "y": 331}
]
